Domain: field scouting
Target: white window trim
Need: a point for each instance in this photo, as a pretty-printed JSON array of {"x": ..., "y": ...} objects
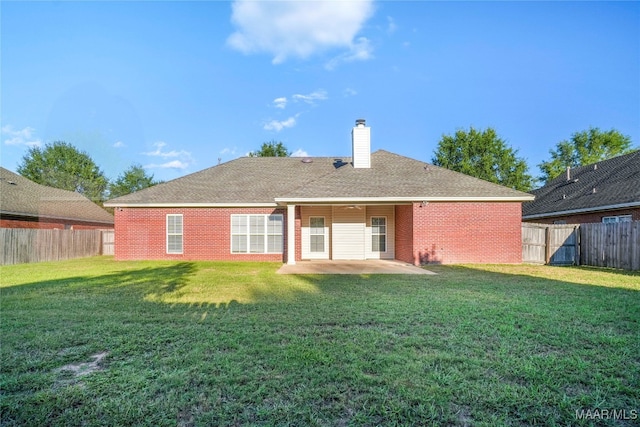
[
  {"x": 386, "y": 233},
  {"x": 181, "y": 234},
  {"x": 248, "y": 234},
  {"x": 616, "y": 219},
  {"x": 324, "y": 233}
]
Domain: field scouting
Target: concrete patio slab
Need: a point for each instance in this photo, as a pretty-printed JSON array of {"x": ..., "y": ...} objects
[{"x": 352, "y": 267}]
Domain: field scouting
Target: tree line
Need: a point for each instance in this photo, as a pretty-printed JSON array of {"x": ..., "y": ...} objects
[
  {"x": 61, "y": 165},
  {"x": 479, "y": 153}
]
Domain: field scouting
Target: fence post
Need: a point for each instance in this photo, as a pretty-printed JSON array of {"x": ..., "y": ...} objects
[{"x": 547, "y": 245}]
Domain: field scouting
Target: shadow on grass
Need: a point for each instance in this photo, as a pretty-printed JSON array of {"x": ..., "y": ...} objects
[
  {"x": 491, "y": 342},
  {"x": 159, "y": 280}
]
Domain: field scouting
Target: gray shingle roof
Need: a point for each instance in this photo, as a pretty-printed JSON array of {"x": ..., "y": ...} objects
[
  {"x": 280, "y": 179},
  {"x": 616, "y": 182},
  {"x": 22, "y": 197}
]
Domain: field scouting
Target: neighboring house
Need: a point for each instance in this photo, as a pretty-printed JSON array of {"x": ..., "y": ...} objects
[
  {"x": 25, "y": 204},
  {"x": 607, "y": 191},
  {"x": 369, "y": 206}
]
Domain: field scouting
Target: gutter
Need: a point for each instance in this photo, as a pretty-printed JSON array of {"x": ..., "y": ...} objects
[
  {"x": 583, "y": 210},
  {"x": 396, "y": 200},
  {"x": 61, "y": 218}
]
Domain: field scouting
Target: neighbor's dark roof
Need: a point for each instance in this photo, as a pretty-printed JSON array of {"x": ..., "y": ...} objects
[
  {"x": 598, "y": 186},
  {"x": 281, "y": 179},
  {"x": 22, "y": 197}
]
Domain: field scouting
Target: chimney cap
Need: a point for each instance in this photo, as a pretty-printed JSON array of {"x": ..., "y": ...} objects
[{"x": 360, "y": 122}]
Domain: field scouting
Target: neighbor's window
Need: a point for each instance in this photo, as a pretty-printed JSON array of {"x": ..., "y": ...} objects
[
  {"x": 257, "y": 234},
  {"x": 174, "y": 233},
  {"x": 316, "y": 234},
  {"x": 617, "y": 218},
  {"x": 378, "y": 234}
]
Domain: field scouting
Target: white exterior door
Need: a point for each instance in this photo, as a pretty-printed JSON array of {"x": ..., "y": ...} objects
[{"x": 315, "y": 238}]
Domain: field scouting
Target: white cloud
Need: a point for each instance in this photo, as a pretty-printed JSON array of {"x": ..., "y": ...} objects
[
  {"x": 166, "y": 154},
  {"x": 278, "y": 125},
  {"x": 20, "y": 136},
  {"x": 391, "y": 25},
  {"x": 296, "y": 28},
  {"x": 174, "y": 164},
  {"x": 299, "y": 153},
  {"x": 361, "y": 50},
  {"x": 228, "y": 150},
  {"x": 280, "y": 102},
  {"x": 119, "y": 144},
  {"x": 349, "y": 92},
  {"x": 183, "y": 158},
  {"x": 318, "y": 95}
]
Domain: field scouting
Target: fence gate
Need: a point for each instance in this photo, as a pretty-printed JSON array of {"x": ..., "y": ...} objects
[
  {"x": 108, "y": 242},
  {"x": 554, "y": 244}
]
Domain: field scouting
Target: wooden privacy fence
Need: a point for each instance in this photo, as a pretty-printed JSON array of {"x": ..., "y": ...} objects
[
  {"x": 20, "y": 245},
  {"x": 550, "y": 243},
  {"x": 611, "y": 245},
  {"x": 602, "y": 245}
]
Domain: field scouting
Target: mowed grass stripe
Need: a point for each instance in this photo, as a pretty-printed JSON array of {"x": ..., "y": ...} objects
[{"x": 213, "y": 343}]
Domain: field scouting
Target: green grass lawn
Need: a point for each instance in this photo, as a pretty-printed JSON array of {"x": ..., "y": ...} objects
[{"x": 98, "y": 342}]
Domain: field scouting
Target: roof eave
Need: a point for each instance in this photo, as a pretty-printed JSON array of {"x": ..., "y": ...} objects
[
  {"x": 399, "y": 200},
  {"x": 190, "y": 205},
  {"x": 583, "y": 210},
  {"x": 57, "y": 218}
]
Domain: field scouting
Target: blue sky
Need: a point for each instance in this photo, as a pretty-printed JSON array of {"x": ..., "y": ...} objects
[{"x": 175, "y": 86}]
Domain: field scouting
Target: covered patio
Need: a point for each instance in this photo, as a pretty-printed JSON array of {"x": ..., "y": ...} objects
[{"x": 352, "y": 267}]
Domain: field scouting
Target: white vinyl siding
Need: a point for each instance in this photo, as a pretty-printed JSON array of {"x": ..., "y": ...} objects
[
  {"x": 348, "y": 232},
  {"x": 174, "y": 233},
  {"x": 311, "y": 214},
  {"x": 257, "y": 234}
]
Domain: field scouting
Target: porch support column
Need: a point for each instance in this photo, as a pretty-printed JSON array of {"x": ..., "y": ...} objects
[{"x": 291, "y": 234}]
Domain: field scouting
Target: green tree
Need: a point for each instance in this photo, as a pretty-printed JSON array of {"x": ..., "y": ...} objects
[
  {"x": 271, "y": 149},
  {"x": 133, "y": 179},
  {"x": 584, "y": 148},
  {"x": 61, "y": 165},
  {"x": 484, "y": 155}
]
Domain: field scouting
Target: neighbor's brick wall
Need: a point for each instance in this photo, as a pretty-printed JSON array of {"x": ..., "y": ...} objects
[
  {"x": 404, "y": 233},
  {"x": 467, "y": 232},
  {"x": 589, "y": 217},
  {"x": 51, "y": 225},
  {"x": 140, "y": 233}
]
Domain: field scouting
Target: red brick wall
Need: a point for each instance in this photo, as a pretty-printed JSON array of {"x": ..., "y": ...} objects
[
  {"x": 50, "y": 224},
  {"x": 467, "y": 232},
  {"x": 141, "y": 234},
  {"x": 588, "y": 217},
  {"x": 404, "y": 233}
]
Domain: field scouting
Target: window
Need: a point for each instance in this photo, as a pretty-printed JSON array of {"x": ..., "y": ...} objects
[
  {"x": 174, "y": 234},
  {"x": 617, "y": 218},
  {"x": 378, "y": 234},
  {"x": 316, "y": 234},
  {"x": 256, "y": 234}
]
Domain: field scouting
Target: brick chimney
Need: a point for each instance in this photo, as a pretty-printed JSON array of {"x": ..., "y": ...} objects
[{"x": 361, "y": 145}]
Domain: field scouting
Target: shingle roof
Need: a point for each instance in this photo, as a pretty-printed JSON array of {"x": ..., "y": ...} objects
[
  {"x": 268, "y": 180},
  {"x": 22, "y": 197},
  {"x": 612, "y": 182}
]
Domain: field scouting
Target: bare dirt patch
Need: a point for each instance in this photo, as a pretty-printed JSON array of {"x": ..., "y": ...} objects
[{"x": 70, "y": 374}]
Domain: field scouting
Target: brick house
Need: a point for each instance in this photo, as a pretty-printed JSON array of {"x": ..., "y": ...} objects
[
  {"x": 25, "y": 204},
  {"x": 368, "y": 206},
  {"x": 607, "y": 191}
]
